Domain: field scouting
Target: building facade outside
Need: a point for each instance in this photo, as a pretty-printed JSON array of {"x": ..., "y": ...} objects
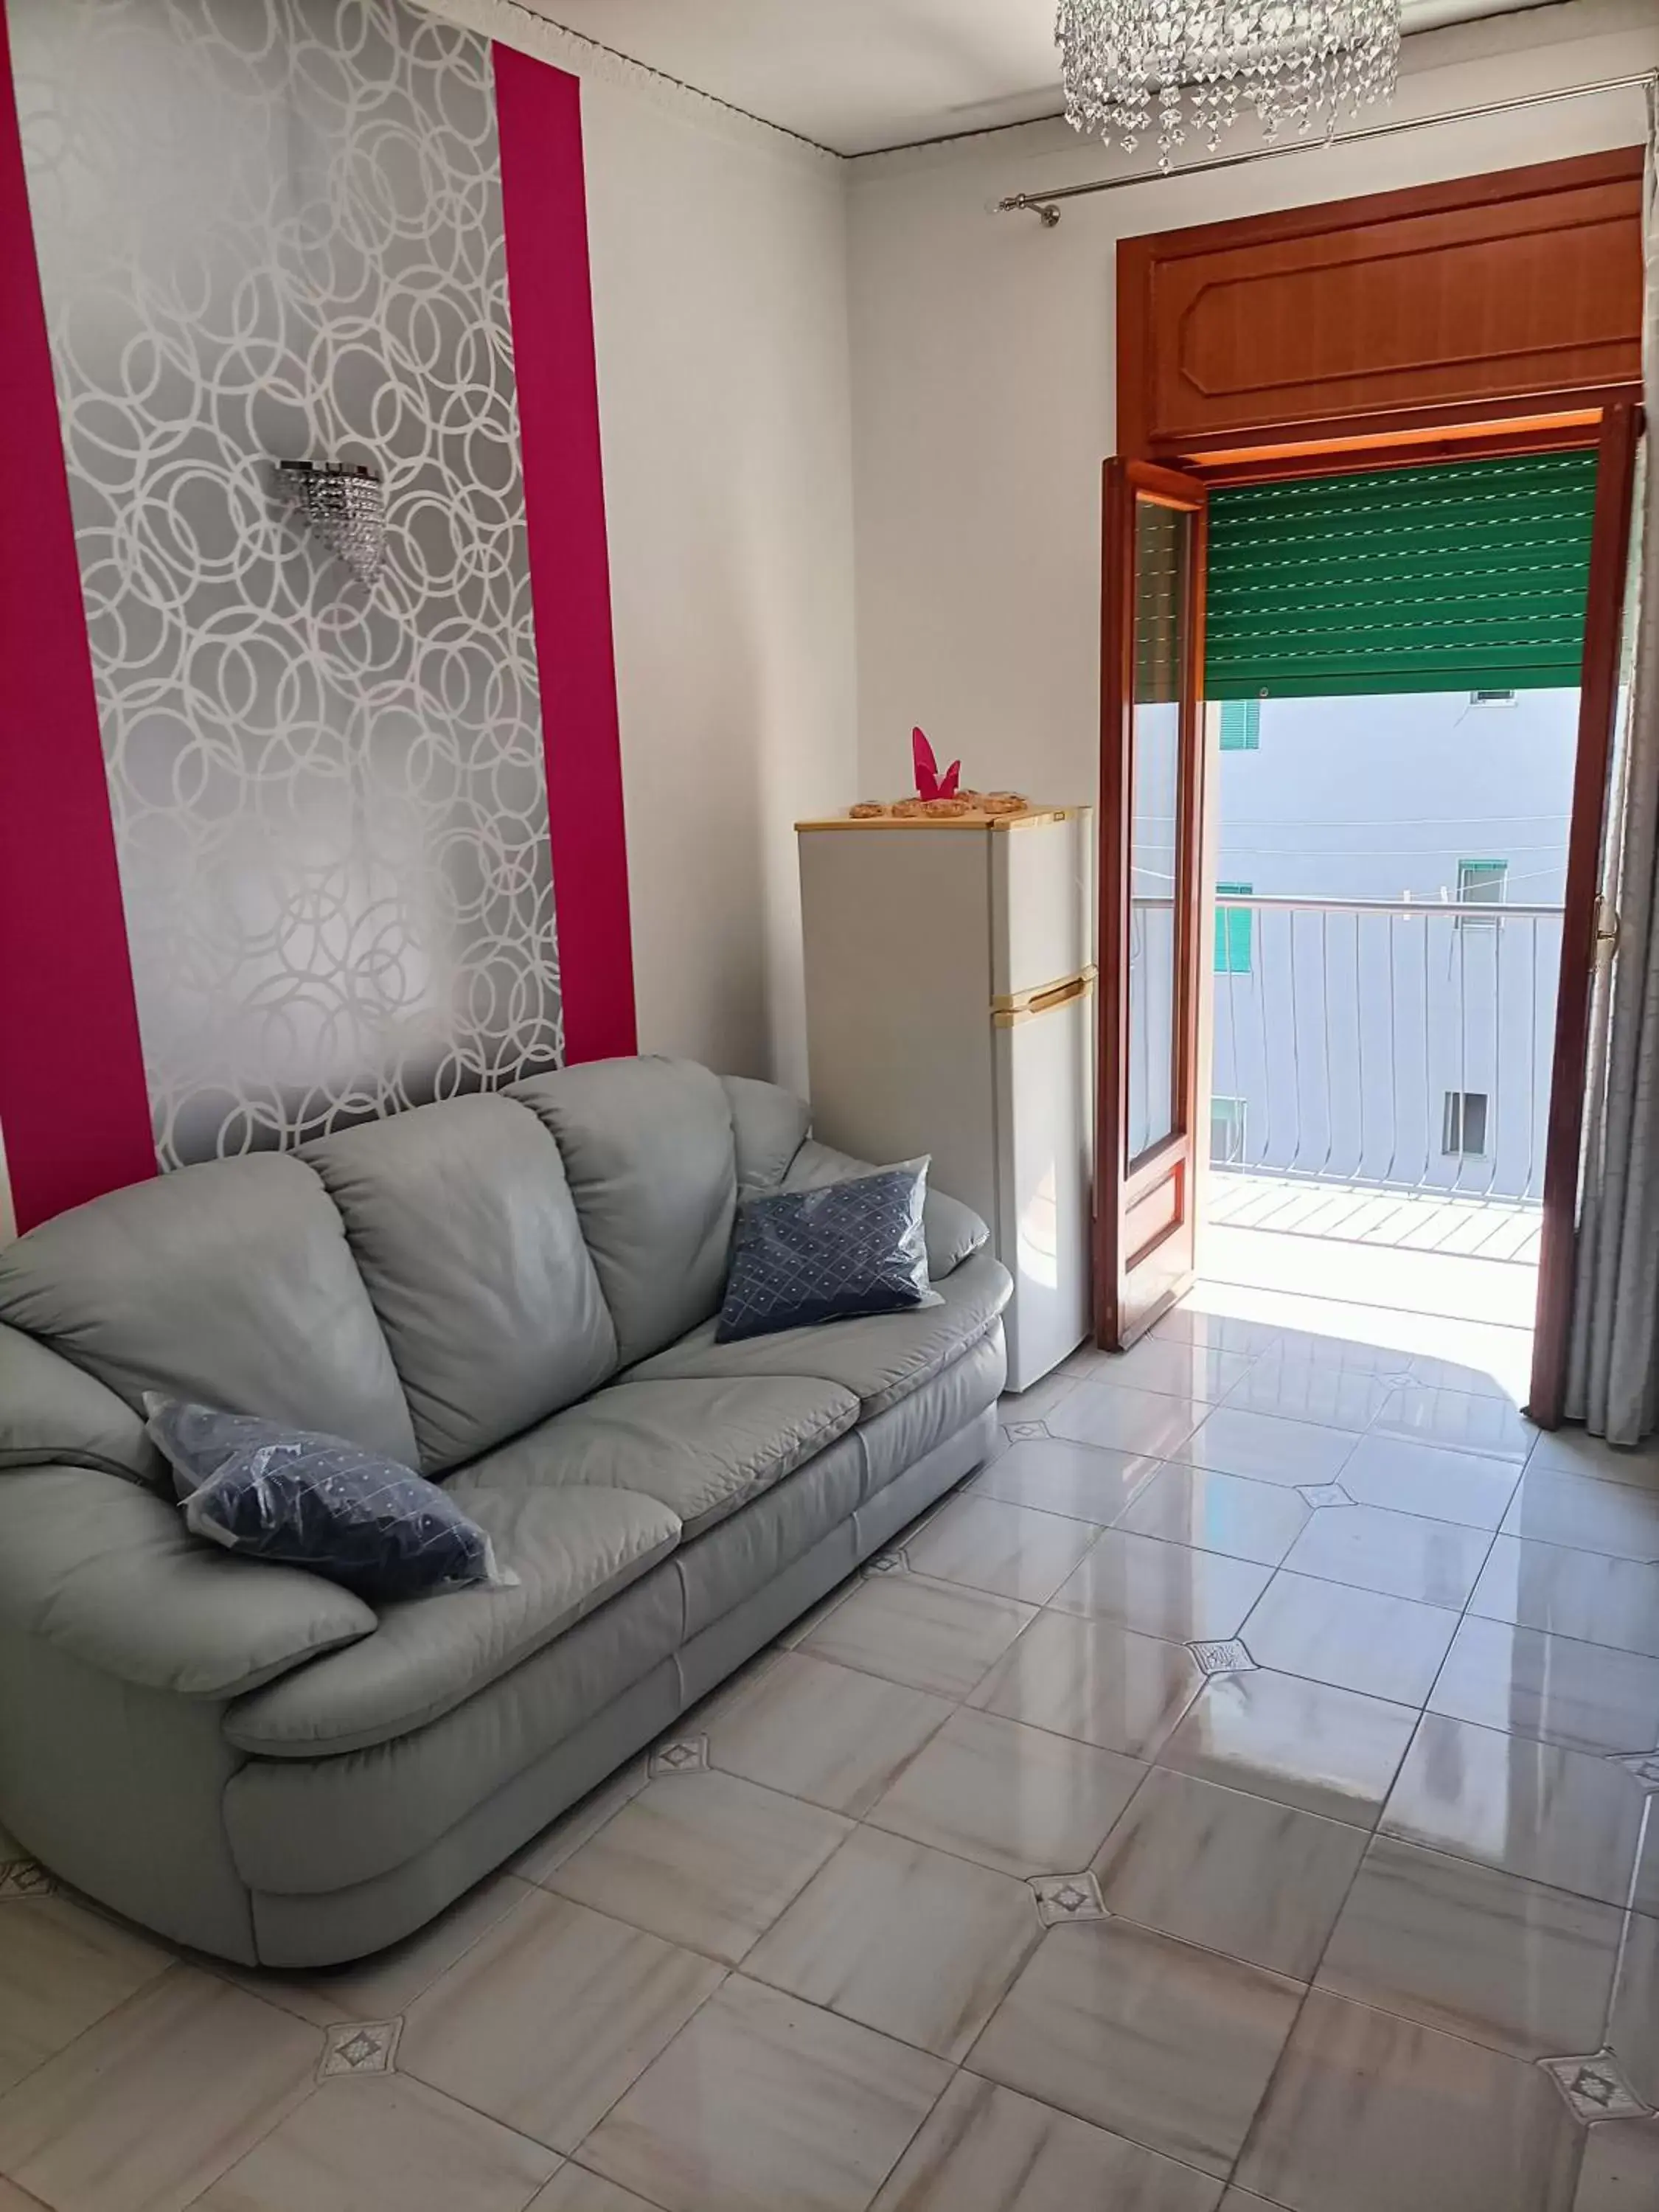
[{"x": 1401, "y": 1045}]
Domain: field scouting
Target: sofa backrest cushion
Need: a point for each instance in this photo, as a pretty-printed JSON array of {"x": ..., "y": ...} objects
[
  {"x": 230, "y": 1283},
  {"x": 462, "y": 1225},
  {"x": 769, "y": 1126},
  {"x": 648, "y": 1147}
]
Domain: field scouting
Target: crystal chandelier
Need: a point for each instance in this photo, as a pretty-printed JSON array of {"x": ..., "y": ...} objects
[{"x": 1133, "y": 65}]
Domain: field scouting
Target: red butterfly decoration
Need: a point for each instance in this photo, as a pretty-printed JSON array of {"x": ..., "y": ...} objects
[{"x": 929, "y": 784}]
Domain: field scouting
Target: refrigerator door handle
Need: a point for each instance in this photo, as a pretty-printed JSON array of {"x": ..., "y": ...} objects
[{"x": 1045, "y": 1002}]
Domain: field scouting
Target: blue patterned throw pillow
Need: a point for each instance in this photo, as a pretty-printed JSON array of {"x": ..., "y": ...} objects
[
  {"x": 841, "y": 1248},
  {"x": 304, "y": 1500}
]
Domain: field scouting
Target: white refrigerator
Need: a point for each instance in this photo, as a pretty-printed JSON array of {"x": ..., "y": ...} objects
[{"x": 949, "y": 1010}]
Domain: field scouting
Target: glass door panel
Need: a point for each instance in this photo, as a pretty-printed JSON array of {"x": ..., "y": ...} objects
[
  {"x": 1151, "y": 675},
  {"x": 1161, "y": 554}
]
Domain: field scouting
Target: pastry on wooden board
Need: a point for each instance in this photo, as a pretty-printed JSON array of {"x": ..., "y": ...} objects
[{"x": 994, "y": 804}]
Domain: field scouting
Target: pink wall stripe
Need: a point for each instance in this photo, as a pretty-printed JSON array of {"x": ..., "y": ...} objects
[
  {"x": 73, "y": 1100},
  {"x": 545, "y": 205}
]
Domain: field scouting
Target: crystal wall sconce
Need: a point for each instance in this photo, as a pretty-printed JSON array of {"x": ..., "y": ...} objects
[{"x": 345, "y": 506}]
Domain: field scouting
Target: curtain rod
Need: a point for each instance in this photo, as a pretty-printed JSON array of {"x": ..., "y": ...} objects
[{"x": 1045, "y": 206}]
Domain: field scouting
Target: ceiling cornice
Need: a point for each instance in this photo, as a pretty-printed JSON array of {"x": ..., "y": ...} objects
[{"x": 516, "y": 24}]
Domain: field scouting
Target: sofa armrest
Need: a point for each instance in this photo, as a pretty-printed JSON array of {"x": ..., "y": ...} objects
[
  {"x": 109, "y": 1573},
  {"x": 52, "y": 1414},
  {"x": 955, "y": 1232}
]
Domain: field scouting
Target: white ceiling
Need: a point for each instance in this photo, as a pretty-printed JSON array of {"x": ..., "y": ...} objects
[{"x": 857, "y": 76}]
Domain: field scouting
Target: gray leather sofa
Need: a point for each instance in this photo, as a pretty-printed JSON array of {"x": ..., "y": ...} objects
[{"x": 516, "y": 1293}]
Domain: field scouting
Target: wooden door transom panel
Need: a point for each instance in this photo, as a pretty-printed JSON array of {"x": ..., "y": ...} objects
[{"x": 1403, "y": 306}]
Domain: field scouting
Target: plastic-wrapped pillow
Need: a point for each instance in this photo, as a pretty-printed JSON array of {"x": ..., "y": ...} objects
[
  {"x": 830, "y": 1253},
  {"x": 271, "y": 1492}
]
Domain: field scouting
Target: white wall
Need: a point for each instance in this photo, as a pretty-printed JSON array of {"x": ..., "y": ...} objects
[
  {"x": 719, "y": 251},
  {"x": 720, "y": 326},
  {"x": 983, "y": 390}
]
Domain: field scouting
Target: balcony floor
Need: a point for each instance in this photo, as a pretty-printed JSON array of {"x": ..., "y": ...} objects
[{"x": 1468, "y": 1260}]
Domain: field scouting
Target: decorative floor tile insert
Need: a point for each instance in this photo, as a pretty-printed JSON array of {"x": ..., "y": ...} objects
[
  {"x": 1062, "y": 1897},
  {"x": 24, "y": 1878},
  {"x": 894, "y": 1562},
  {"x": 1324, "y": 1493},
  {"x": 1594, "y": 2088},
  {"x": 1642, "y": 1767},
  {"x": 1228, "y": 1658},
  {"x": 1022, "y": 1431},
  {"x": 686, "y": 1755},
  {"x": 359, "y": 2046}
]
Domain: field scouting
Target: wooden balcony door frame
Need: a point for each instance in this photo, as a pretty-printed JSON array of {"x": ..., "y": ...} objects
[
  {"x": 1146, "y": 1214},
  {"x": 1563, "y": 368}
]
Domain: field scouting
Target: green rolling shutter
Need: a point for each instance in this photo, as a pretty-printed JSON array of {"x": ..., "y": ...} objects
[{"x": 1465, "y": 576}]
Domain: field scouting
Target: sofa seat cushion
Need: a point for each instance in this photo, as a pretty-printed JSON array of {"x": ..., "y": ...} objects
[
  {"x": 729, "y": 1564},
  {"x": 571, "y": 1550},
  {"x": 301, "y": 1825},
  {"x": 912, "y": 1427},
  {"x": 702, "y": 1447},
  {"x": 879, "y": 1358}
]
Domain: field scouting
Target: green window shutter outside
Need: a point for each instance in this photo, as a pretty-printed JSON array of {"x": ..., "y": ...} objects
[
  {"x": 1481, "y": 879},
  {"x": 1480, "y": 882},
  {"x": 1233, "y": 931},
  {"x": 1464, "y": 576},
  {"x": 1240, "y": 725}
]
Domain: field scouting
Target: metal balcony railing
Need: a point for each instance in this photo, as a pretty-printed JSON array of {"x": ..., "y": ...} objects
[{"x": 1399, "y": 1045}]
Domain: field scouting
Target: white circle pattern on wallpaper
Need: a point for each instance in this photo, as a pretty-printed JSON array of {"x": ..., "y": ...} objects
[{"x": 271, "y": 229}]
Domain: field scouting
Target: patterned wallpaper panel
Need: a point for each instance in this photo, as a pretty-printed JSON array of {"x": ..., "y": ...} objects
[{"x": 272, "y": 229}]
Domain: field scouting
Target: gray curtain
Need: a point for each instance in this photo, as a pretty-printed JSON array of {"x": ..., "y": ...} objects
[{"x": 1613, "y": 1382}]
